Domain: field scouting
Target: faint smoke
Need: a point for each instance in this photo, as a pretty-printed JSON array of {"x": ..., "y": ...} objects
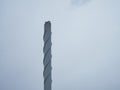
[{"x": 79, "y": 2}]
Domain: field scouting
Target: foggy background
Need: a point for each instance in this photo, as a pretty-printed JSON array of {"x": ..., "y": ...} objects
[{"x": 85, "y": 44}]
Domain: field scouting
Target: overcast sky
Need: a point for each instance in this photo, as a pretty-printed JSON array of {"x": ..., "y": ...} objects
[{"x": 85, "y": 44}]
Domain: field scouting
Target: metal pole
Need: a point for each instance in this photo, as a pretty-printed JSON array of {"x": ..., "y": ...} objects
[{"x": 47, "y": 56}]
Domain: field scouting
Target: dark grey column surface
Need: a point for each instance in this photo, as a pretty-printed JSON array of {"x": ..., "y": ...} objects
[{"x": 47, "y": 56}]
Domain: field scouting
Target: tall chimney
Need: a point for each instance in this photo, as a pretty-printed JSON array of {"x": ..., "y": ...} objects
[{"x": 47, "y": 56}]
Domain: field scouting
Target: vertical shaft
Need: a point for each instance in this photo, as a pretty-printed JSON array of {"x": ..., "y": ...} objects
[{"x": 47, "y": 56}]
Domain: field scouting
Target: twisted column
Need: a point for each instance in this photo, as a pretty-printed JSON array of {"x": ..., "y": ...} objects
[{"x": 47, "y": 56}]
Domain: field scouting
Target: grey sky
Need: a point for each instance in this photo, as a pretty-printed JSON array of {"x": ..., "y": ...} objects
[
  {"x": 85, "y": 44},
  {"x": 79, "y": 2}
]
